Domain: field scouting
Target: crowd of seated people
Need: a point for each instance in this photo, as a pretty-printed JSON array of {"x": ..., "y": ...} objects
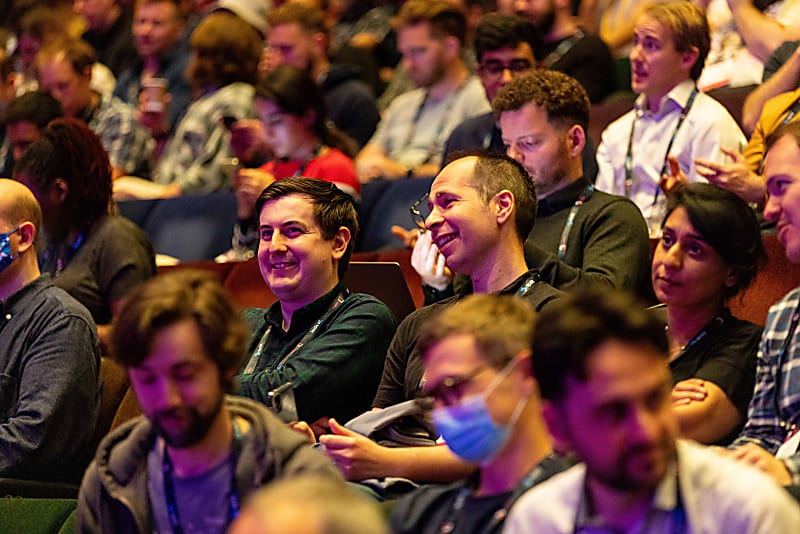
[{"x": 538, "y": 389}]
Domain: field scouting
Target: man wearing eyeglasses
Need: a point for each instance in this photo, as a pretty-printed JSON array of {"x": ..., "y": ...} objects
[{"x": 486, "y": 405}]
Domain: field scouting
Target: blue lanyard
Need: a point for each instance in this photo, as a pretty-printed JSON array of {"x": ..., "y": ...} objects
[{"x": 169, "y": 488}]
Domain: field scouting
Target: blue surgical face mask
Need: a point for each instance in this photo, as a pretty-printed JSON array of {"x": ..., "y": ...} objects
[
  {"x": 468, "y": 428},
  {"x": 5, "y": 250}
]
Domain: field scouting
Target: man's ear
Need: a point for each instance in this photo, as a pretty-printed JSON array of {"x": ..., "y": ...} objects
[
  {"x": 453, "y": 46},
  {"x": 319, "y": 43},
  {"x": 558, "y": 426},
  {"x": 340, "y": 242},
  {"x": 689, "y": 58},
  {"x": 27, "y": 235},
  {"x": 576, "y": 140},
  {"x": 60, "y": 188},
  {"x": 504, "y": 202}
]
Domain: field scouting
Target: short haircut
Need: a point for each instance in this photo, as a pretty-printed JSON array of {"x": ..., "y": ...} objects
[
  {"x": 326, "y": 505},
  {"x": 23, "y": 208},
  {"x": 176, "y": 3},
  {"x": 227, "y": 50},
  {"x": 71, "y": 151},
  {"x": 718, "y": 214},
  {"x": 496, "y": 31},
  {"x": 310, "y": 19},
  {"x": 77, "y": 52},
  {"x": 791, "y": 129},
  {"x": 570, "y": 329},
  {"x": 562, "y": 97},
  {"x": 333, "y": 208},
  {"x": 36, "y": 107},
  {"x": 169, "y": 299},
  {"x": 689, "y": 27},
  {"x": 495, "y": 172},
  {"x": 502, "y": 326},
  {"x": 445, "y": 19}
]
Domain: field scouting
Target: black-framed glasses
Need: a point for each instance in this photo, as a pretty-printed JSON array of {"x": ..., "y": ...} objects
[
  {"x": 419, "y": 211},
  {"x": 496, "y": 67},
  {"x": 451, "y": 389}
]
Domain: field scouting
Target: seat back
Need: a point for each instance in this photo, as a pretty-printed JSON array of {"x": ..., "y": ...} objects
[{"x": 114, "y": 384}]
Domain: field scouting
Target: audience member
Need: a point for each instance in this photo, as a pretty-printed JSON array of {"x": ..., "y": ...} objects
[
  {"x": 298, "y": 37},
  {"x": 570, "y": 49},
  {"x": 26, "y": 117},
  {"x": 94, "y": 255},
  {"x": 697, "y": 267},
  {"x": 49, "y": 357},
  {"x": 196, "y": 453},
  {"x": 413, "y": 130},
  {"x": 769, "y": 440},
  {"x": 304, "y": 142},
  {"x": 672, "y": 123},
  {"x": 223, "y": 66},
  {"x": 781, "y": 75},
  {"x": 6, "y": 95},
  {"x": 64, "y": 69},
  {"x": 600, "y": 362},
  {"x": 329, "y": 343},
  {"x": 486, "y": 406},
  {"x": 505, "y": 45},
  {"x": 308, "y": 505},
  {"x": 155, "y": 82},
  {"x": 108, "y": 31},
  {"x": 481, "y": 209}
]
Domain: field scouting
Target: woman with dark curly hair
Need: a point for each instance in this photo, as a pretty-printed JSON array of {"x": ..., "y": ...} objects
[
  {"x": 709, "y": 251},
  {"x": 94, "y": 255}
]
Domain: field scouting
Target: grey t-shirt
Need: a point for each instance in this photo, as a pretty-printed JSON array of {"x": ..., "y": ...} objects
[{"x": 203, "y": 500}]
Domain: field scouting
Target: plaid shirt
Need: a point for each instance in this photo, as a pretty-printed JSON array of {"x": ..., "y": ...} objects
[
  {"x": 199, "y": 151},
  {"x": 128, "y": 144},
  {"x": 775, "y": 407}
]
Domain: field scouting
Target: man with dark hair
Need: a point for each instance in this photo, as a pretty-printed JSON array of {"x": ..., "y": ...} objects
[
  {"x": 486, "y": 406},
  {"x": 298, "y": 37},
  {"x": 601, "y": 363},
  {"x": 64, "y": 69},
  {"x": 481, "y": 209},
  {"x": 26, "y": 117},
  {"x": 672, "y": 123},
  {"x": 49, "y": 356},
  {"x": 329, "y": 343},
  {"x": 196, "y": 453},
  {"x": 413, "y": 130},
  {"x": 568, "y": 48}
]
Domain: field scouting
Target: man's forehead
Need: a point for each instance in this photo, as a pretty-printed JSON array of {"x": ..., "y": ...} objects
[
  {"x": 294, "y": 206},
  {"x": 783, "y": 154}
]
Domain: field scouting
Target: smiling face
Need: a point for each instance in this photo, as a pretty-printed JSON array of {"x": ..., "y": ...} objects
[
  {"x": 461, "y": 225},
  {"x": 783, "y": 189},
  {"x": 298, "y": 264},
  {"x": 619, "y": 421},
  {"x": 179, "y": 386},
  {"x": 687, "y": 272},
  {"x": 656, "y": 67}
]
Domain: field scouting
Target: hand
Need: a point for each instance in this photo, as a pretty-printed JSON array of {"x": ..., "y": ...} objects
[
  {"x": 430, "y": 263},
  {"x": 736, "y": 177},
  {"x": 409, "y": 237},
  {"x": 357, "y": 456},
  {"x": 249, "y": 140},
  {"x": 674, "y": 179},
  {"x": 752, "y": 454},
  {"x": 248, "y": 185},
  {"x": 305, "y": 429},
  {"x": 689, "y": 390}
]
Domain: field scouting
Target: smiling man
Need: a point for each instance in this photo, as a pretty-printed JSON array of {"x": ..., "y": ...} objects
[
  {"x": 670, "y": 117},
  {"x": 329, "y": 343},
  {"x": 600, "y": 361}
]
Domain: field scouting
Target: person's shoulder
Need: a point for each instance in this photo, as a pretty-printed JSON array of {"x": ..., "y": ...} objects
[
  {"x": 619, "y": 128},
  {"x": 413, "y": 511},
  {"x": 550, "y": 506}
]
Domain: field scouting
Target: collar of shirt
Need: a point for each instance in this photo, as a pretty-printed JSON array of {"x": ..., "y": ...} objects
[
  {"x": 302, "y": 319},
  {"x": 674, "y": 100},
  {"x": 8, "y": 305},
  {"x": 562, "y": 199}
]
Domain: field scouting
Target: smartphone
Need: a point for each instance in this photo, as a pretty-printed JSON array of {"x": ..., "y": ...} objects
[
  {"x": 281, "y": 401},
  {"x": 228, "y": 121}
]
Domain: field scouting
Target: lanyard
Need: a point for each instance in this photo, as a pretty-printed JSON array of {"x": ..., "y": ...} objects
[
  {"x": 538, "y": 474},
  {"x": 412, "y": 130},
  {"x": 665, "y": 166},
  {"x": 711, "y": 327},
  {"x": 253, "y": 361},
  {"x": 169, "y": 488},
  {"x": 302, "y": 168},
  {"x": 573, "y": 212},
  {"x": 562, "y": 48},
  {"x": 64, "y": 256}
]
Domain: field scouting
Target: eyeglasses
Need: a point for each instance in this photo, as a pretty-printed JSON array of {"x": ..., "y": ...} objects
[
  {"x": 495, "y": 67},
  {"x": 451, "y": 389},
  {"x": 420, "y": 211}
]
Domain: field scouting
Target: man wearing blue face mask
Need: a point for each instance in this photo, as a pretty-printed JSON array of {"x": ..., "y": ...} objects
[
  {"x": 486, "y": 406},
  {"x": 49, "y": 357}
]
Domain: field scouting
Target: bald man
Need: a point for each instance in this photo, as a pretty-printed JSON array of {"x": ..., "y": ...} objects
[{"x": 49, "y": 357}]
